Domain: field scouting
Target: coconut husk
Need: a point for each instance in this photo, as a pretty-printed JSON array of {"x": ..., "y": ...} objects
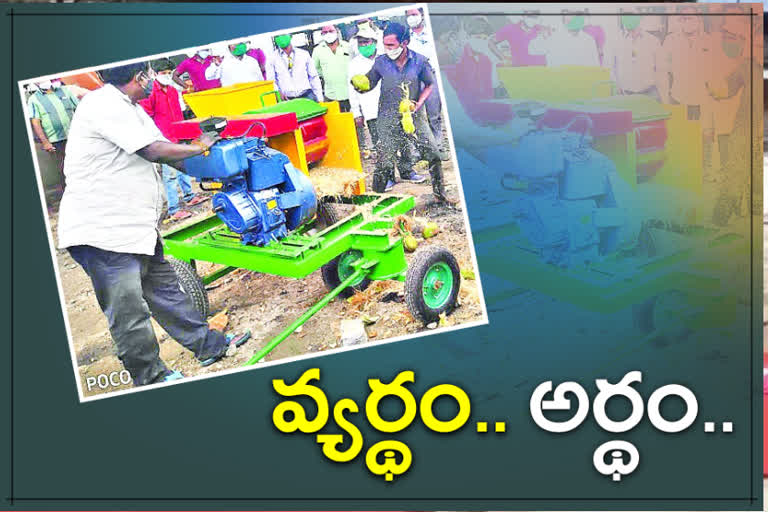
[{"x": 334, "y": 181}]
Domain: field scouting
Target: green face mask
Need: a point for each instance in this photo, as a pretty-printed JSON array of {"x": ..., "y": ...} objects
[
  {"x": 239, "y": 50},
  {"x": 367, "y": 50},
  {"x": 283, "y": 41},
  {"x": 630, "y": 21},
  {"x": 576, "y": 23}
]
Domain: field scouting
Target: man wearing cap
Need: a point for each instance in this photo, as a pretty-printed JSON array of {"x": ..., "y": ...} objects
[
  {"x": 108, "y": 221},
  {"x": 50, "y": 112},
  {"x": 293, "y": 71},
  {"x": 331, "y": 59},
  {"x": 364, "y": 106}
]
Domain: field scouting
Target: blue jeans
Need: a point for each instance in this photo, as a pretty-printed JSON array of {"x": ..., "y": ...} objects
[
  {"x": 131, "y": 288},
  {"x": 170, "y": 178}
]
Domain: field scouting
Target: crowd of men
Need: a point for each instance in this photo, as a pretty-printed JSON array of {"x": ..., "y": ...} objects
[
  {"x": 691, "y": 56},
  {"x": 321, "y": 73},
  {"x": 115, "y": 146}
]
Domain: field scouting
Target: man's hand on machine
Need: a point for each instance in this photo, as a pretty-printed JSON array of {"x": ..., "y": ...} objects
[
  {"x": 206, "y": 141},
  {"x": 170, "y": 153}
]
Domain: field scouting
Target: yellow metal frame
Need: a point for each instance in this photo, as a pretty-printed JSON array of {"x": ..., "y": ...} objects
[
  {"x": 343, "y": 148},
  {"x": 232, "y": 100}
]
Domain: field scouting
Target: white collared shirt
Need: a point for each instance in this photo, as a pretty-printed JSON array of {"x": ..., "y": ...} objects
[
  {"x": 114, "y": 197},
  {"x": 364, "y": 104},
  {"x": 233, "y": 71},
  {"x": 301, "y": 76},
  {"x": 424, "y": 44}
]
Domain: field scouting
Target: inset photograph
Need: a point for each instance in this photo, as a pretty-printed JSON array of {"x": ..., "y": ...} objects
[{"x": 253, "y": 201}]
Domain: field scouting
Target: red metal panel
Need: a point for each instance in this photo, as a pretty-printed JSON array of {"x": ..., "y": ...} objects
[{"x": 238, "y": 126}]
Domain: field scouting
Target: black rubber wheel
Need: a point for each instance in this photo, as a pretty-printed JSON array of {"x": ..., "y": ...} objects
[
  {"x": 338, "y": 269},
  {"x": 192, "y": 285},
  {"x": 327, "y": 215},
  {"x": 430, "y": 272}
]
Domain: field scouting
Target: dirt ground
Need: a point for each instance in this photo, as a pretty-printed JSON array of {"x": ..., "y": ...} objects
[{"x": 267, "y": 304}]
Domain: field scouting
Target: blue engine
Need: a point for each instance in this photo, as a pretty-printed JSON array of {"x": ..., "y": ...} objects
[
  {"x": 571, "y": 205},
  {"x": 263, "y": 195}
]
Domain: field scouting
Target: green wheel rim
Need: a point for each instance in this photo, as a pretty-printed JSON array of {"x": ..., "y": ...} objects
[
  {"x": 345, "y": 267},
  {"x": 437, "y": 285}
]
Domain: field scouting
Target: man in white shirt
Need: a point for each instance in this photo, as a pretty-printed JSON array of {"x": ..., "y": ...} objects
[
  {"x": 633, "y": 56},
  {"x": 364, "y": 106},
  {"x": 567, "y": 44},
  {"x": 108, "y": 221},
  {"x": 236, "y": 68},
  {"x": 293, "y": 71},
  {"x": 422, "y": 42}
]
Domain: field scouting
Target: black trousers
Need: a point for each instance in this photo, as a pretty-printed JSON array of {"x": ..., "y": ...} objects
[
  {"x": 393, "y": 141},
  {"x": 132, "y": 287},
  {"x": 371, "y": 124}
]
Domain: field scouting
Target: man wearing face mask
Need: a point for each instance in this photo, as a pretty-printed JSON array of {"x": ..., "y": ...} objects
[
  {"x": 108, "y": 221},
  {"x": 293, "y": 71},
  {"x": 365, "y": 106},
  {"x": 568, "y": 45},
  {"x": 195, "y": 67},
  {"x": 420, "y": 38},
  {"x": 50, "y": 112},
  {"x": 236, "y": 68},
  {"x": 331, "y": 59},
  {"x": 633, "y": 58},
  {"x": 518, "y": 36},
  {"x": 421, "y": 42},
  {"x": 164, "y": 108},
  {"x": 400, "y": 67},
  {"x": 367, "y": 24},
  {"x": 730, "y": 87}
]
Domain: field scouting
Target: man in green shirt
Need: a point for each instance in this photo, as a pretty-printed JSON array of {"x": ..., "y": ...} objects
[
  {"x": 331, "y": 58},
  {"x": 51, "y": 109}
]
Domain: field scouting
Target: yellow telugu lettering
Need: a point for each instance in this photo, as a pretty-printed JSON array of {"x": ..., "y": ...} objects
[
  {"x": 331, "y": 441},
  {"x": 300, "y": 421}
]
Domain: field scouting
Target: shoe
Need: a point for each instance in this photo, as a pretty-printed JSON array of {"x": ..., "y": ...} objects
[
  {"x": 195, "y": 199},
  {"x": 232, "y": 339},
  {"x": 415, "y": 178},
  {"x": 389, "y": 186},
  {"x": 175, "y": 375},
  {"x": 180, "y": 215}
]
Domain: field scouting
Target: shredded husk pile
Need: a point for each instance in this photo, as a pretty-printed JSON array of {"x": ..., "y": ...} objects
[{"x": 334, "y": 181}]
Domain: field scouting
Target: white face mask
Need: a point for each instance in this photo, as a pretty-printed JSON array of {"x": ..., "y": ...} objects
[
  {"x": 32, "y": 88},
  {"x": 330, "y": 37},
  {"x": 164, "y": 79},
  {"x": 203, "y": 53},
  {"x": 56, "y": 84},
  {"x": 45, "y": 84},
  {"x": 394, "y": 54},
  {"x": 414, "y": 20}
]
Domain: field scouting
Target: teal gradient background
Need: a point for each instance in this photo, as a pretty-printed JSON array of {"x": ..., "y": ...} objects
[{"x": 210, "y": 444}]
